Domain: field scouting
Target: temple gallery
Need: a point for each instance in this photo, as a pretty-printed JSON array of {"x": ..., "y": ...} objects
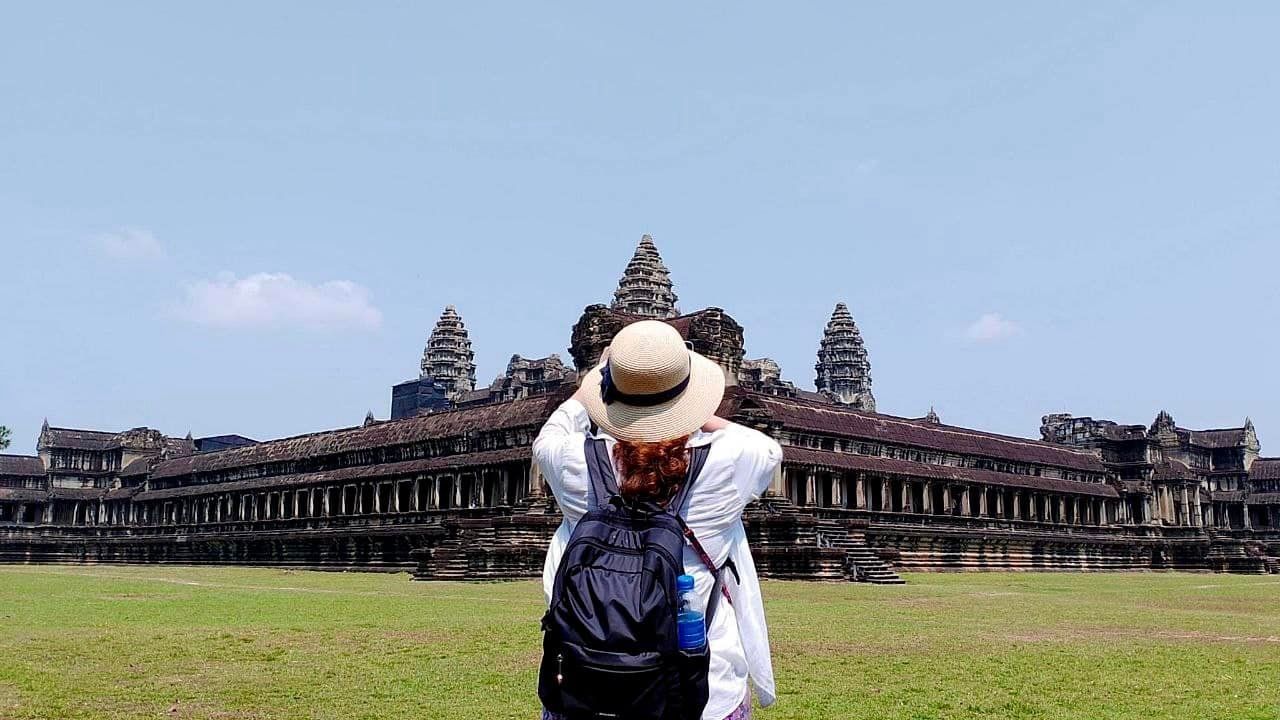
[{"x": 446, "y": 488}]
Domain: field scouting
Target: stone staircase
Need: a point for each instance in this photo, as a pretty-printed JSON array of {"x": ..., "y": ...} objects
[
  {"x": 861, "y": 563},
  {"x": 1272, "y": 564},
  {"x": 1244, "y": 558},
  {"x": 500, "y": 548}
]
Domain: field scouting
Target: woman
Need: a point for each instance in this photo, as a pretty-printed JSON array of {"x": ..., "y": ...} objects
[{"x": 651, "y": 400}]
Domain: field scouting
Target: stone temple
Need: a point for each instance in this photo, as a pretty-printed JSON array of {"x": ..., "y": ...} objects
[{"x": 446, "y": 487}]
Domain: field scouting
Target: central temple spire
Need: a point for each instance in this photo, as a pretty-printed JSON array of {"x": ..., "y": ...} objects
[
  {"x": 448, "y": 358},
  {"x": 645, "y": 288},
  {"x": 844, "y": 371}
]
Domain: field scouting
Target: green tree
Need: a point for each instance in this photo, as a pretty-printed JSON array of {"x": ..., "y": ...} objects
[{"x": 4, "y": 437}]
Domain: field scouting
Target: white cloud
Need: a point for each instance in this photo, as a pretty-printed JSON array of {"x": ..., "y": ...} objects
[
  {"x": 129, "y": 243},
  {"x": 277, "y": 300},
  {"x": 990, "y": 328}
]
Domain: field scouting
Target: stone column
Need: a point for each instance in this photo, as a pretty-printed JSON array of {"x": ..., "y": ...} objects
[
  {"x": 860, "y": 492},
  {"x": 886, "y": 500},
  {"x": 540, "y": 483},
  {"x": 1000, "y": 503},
  {"x": 906, "y": 495},
  {"x": 457, "y": 491},
  {"x": 837, "y": 492},
  {"x": 1017, "y": 504},
  {"x": 983, "y": 510},
  {"x": 777, "y": 485},
  {"x": 1197, "y": 517},
  {"x": 1186, "y": 507},
  {"x": 810, "y": 487},
  {"x": 927, "y": 497},
  {"x": 947, "y": 506},
  {"x": 964, "y": 491}
]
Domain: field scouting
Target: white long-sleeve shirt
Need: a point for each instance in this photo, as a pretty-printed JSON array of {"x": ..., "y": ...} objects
[{"x": 739, "y": 466}]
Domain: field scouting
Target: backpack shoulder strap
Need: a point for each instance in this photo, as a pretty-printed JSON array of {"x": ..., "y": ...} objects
[
  {"x": 600, "y": 470},
  {"x": 697, "y": 459}
]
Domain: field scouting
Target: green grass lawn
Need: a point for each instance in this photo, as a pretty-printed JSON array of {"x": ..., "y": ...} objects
[{"x": 166, "y": 642}]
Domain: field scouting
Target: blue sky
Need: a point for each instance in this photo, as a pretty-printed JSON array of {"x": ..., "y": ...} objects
[{"x": 246, "y": 218}]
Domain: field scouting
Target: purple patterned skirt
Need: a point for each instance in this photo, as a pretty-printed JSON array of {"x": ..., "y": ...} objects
[{"x": 743, "y": 712}]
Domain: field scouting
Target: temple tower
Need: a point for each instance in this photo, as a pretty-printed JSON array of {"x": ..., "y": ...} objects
[
  {"x": 843, "y": 370},
  {"x": 645, "y": 288},
  {"x": 448, "y": 359}
]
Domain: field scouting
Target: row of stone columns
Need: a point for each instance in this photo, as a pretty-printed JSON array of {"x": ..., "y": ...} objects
[
  {"x": 941, "y": 497},
  {"x": 484, "y": 487}
]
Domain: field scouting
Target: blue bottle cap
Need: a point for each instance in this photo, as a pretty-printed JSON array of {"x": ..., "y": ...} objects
[{"x": 684, "y": 583}]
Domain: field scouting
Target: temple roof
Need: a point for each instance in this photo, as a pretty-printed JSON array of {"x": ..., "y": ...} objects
[
  {"x": 836, "y": 420},
  {"x": 529, "y": 412},
  {"x": 21, "y": 465},
  {"x": 907, "y": 468},
  {"x": 77, "y": 439},
  {"x": 1265, "y": 469},
  {"x": 1125, "y": 432},
  {"x": 76, "y": 493},
  {"x": 23, "y": 495},
  {"x": 1220, "y": 438},
  {"x": 138, "y": 467},
  {"x": 1173, "y": 470},
  {"x": 139, "y": 439},
  {"x": 358, "y": 472}
]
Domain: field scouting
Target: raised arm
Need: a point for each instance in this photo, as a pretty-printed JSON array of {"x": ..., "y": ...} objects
[{"x": 566, "y": 427}]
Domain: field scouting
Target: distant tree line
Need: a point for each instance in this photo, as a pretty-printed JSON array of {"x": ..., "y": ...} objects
[{"x": 4, "y": 437}]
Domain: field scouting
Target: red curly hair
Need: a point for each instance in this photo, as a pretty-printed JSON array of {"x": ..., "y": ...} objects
[{"x": 652, "y": 471}]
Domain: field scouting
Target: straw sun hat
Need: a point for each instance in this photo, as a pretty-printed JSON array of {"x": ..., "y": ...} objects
[{"x": 651, "y": 387}]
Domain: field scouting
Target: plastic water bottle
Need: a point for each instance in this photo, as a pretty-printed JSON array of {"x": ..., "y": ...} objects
[{"x": 691, "y": 629}]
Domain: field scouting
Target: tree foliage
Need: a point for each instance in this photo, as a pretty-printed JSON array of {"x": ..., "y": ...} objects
[{"x": 4, "y": 437}]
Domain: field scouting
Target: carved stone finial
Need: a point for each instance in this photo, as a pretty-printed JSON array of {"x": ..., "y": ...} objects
[
  {"x": 932, "y": 417},
  {"x": 645, "y": 288},
  {"x": 369, "y": 419},
  {"x": 1163, "y": 422},
  {"x": 448, "y": 359},
  {"x": 843, "y": 369}
]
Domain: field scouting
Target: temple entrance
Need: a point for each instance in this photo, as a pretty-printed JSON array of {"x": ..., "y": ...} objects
[
  {"x": 822, "y": 491},
  {"x": 468, "y": 484},
  {"x": 917, "y": 497},
  {"x": 491, "y": 490},
  {"x": 797, "y": 487},
  {"x": 446, "y": 493}
]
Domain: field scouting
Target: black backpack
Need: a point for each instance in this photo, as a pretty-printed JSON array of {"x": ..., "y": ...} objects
[{"x": 609, "y": 646}]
